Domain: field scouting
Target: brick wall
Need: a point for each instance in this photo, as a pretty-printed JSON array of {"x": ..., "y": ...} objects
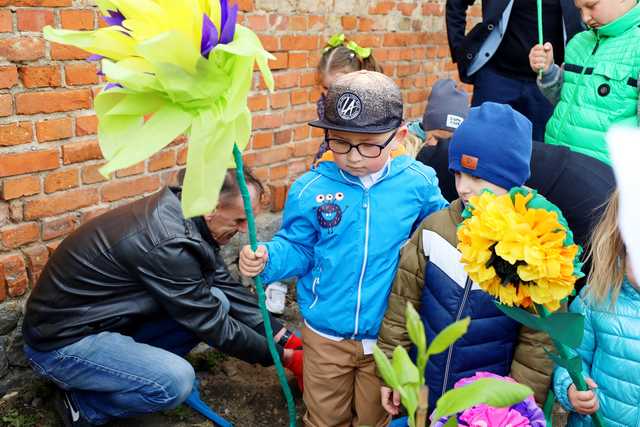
[{"x": 49, "y": 154}]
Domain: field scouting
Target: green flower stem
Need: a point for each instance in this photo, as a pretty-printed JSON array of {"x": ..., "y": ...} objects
[
  {"x": 576, "y": 376},
  {"x": 253, "y": 241}
]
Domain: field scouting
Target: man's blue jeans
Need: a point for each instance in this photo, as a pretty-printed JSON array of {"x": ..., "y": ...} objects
[
  {"x": 110, "y": 375},
  {"x": 522, "y": 95}
]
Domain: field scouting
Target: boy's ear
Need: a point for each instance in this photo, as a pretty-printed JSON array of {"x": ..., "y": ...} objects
[{"x": 401, "y": 135}]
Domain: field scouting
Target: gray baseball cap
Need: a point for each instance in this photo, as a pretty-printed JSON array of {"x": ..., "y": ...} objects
[{"x": 362, "y": 102}]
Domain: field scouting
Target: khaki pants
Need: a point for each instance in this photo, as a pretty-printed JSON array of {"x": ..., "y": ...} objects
[{"x": 341, "y": 387}]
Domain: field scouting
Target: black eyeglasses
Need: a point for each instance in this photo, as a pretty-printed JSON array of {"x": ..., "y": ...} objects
[{"x": 371, "y": 151}]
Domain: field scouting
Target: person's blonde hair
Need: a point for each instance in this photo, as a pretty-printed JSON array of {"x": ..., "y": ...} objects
[
  {"x": 412, "y": 144},
  {"x": 608, "y": 256}
]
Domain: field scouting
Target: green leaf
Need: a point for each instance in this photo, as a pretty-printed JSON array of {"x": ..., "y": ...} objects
[
  {"x": 385, "y": 368},
  {"x": 491, "y": 391},
  {"x": 405, "y": 370},
  {"x": 415, "y": 328},
  {"x": 410, "y": 398},
  {"x": 566, "y": 328},
  {"x": 451, "y": 422},
  {"x": 448, "y": 336},
  {"x": 573, "y": 364}
]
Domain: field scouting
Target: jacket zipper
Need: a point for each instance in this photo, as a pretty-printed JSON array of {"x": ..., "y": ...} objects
[
  {"x": 467, "y": 288},
  {"x": 365, "y": 204}
]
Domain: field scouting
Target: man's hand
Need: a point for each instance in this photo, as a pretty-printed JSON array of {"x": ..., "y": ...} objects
[
  {"x": 584, "y": 402},
  {"x": 390, "y": 400},
  {"x": 541, "y": 57},
  {"x": 252, "y": 263}
]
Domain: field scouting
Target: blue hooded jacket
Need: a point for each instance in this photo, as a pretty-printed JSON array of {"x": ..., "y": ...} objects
[
  {"x": 610, "y": 353},
  {"x": 343, "y": 241}
]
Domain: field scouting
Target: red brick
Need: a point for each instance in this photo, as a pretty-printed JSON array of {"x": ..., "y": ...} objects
[
  {"x": 298, "y": 23},
  {"x": 54, "y": 228},
  {"x": 270, "y": 43},
  {"x": 51, "y": 102},
  {"x": 278, "y": 22},
  {"x": 128, "y": 188},
  {"x": 22, "y": 48},
  {"x": 286, "y": 80},
  {"x": 64, "y": 52},
  {"x": 267, "y": 121},
  {"x": 300, "y": 96},
  {"x": 279, "y": 172},
  {"x": 349, "y": 23},
  {"x": 40, "y": 76},
  {"x": 86, "y": 125},
  {"x": 368, "y": 40},
  {"x": 272, "y": 155},
  {"x": 34, "y": 20},
  {"x": 55, "y": 129},
  {"x": 36, "y": 260},
  {"x": 280, "y": 62},
  {"x": 136, "y": 169},
  {"x": 432, "y": 9},
  {"x": 283, "y": 136},
  {"x": 365, "y": 25},
  {"x": 3, "y": 285},
  {"x": 262, "y": 140},
  {"x": 162, "y": 160},
  {"x": 278, "y": 196},
  {"x": 56, "y": 204},
  {"x": 16, "y": 133},
  {"x": 244, "y": 5},
  {"x": 90, "y": 174},
  {"x": 182, "y": 156},
  {"x": 18, "y": 235},
  {"x": 302, "y": 42},
  {"x": 298, "y": 60},
  {"x": 381, "y": 8},
  {"x": 77, "y": 19},
  {"x": 31, "y": 161},
  {"x": 258, "y": 102},
  {"x": 305, "y": 148},
  {"x": 36, "y": 3},
  {"x": 61, "y": 180},
  {"x": 80, "y": 152},
  {"x": 6, "y": 21},
  {"x": 258, "y": 22},
  {"x": 309, "y": 78},
  {"x": 15, "y": 274},
  {"x": 14, "y": 188},
  {"x": 301, "y": 132},
  {"x": 316, "y": 22},
  {"x": 407, "y": 8},
  {"x": 52, "y": 246},
  {"x": 279, "y": 100},
  {"x": 8, "y": 76},
  {"x": 81, "y": 74}
]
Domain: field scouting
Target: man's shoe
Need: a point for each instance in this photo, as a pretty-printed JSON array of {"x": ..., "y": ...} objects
[{"x": 67, "y": 410}]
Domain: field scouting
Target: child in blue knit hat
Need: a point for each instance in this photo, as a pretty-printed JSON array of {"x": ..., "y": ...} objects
[{"x": 490, "y": 150}]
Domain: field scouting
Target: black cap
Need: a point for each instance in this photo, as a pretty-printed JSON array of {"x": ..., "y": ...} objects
[{"x": 362, "y": 102}]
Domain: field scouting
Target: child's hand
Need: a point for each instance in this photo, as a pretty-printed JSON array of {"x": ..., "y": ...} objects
[
  {"x": 252, "y": 263},
  {"x": 584, "y": 402},
  {"x": 390, "y": 400},
  {"x": 541, "y": 57}
]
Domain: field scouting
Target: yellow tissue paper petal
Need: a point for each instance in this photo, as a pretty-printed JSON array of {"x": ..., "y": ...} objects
[{"x": 108, "y": 41}]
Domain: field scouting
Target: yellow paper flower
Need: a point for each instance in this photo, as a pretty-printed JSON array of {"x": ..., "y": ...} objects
[{"x": 518, "y": 248}]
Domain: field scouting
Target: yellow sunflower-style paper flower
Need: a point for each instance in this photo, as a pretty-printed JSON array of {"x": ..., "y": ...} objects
[
  {"x": 173, "y": 67},
  {"x": 518, "y": 248}
]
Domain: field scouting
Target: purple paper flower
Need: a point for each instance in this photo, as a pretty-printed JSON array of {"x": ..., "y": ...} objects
[
  {"x": 112, "y": 85},
  {"x": 115, "y": 18},
  {"x": 227, "y": 28},
  {"x": 525, "y": 413}
]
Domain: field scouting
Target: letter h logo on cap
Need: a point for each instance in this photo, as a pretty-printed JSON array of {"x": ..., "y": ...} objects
[{"x": 469, "y": 162}]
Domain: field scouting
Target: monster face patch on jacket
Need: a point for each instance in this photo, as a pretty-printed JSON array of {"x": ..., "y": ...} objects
[{"x": 329, "y": 213}]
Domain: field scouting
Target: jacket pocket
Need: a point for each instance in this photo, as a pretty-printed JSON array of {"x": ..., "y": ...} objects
[{"x": 615, "y": 81}]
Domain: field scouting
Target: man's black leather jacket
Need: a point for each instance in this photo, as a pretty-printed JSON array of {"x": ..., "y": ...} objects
[{"x": 135, "y": 263}]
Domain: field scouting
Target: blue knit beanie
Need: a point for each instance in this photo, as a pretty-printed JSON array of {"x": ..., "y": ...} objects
[{"x": 494, "y": 144}]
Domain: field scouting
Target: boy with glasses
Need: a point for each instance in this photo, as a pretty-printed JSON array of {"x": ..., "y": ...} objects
[{"x": 343, "y": 226}]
